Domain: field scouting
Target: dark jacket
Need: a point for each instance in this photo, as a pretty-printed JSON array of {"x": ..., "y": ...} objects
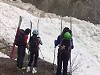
[
  {"x": 58, "y": 41},
  {"x": 34, "y": 42}
]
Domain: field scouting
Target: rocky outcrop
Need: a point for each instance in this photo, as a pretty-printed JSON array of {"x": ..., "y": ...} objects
[{"x": 82, "y": 9}]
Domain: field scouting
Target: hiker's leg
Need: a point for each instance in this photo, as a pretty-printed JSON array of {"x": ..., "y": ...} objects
[
  {"x": 31, "y": 59},
  {"x": 65, "y": 63},
  {"x": 59, "y": 64},
  {"x": 20, "y": 58},
  {"x": 36, "y": 58}
]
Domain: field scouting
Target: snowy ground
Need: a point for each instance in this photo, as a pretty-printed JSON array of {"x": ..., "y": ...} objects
[{"x": 86, "y": 37}]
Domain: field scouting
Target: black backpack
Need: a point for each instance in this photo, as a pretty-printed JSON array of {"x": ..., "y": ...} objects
[
  {"x": 65, "y": 45},
  {"x": 19, "y": 40},
  {"x": 34, "y": 42}
]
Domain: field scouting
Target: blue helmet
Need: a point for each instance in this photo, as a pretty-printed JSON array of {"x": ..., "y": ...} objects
[{"x": 35, "y": 32}]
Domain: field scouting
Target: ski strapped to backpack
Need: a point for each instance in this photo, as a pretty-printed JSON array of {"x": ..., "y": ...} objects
[
  {"x": 38, "y": 38},
  {"x": 13, "y": 48},
  {"x": 70, "y": 52},
  {"x": 61, "y": 24},
  {"x": 30, "y": 27},
  {"x": 29, "y": 41}
]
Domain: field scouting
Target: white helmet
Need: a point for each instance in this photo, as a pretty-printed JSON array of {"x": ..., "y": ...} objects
[{"x": 35, "y": 32}]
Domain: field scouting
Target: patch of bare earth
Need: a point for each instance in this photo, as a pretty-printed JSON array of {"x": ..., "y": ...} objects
[{"x": 8, "y": 66}]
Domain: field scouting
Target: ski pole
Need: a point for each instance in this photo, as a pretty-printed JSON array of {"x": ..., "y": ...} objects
[
  {"x": 41, "y": 54},
  {"x": 54, "y": 55},
  {"x": 54, "y": 60}
]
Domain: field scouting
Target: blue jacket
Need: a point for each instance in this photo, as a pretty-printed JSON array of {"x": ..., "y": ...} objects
[{"x": 58, "y": 41}]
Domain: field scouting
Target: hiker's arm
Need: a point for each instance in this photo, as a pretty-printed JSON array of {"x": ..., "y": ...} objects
[
  {"x": 25, "y": 40},
  {"x": 40, "y": 42},
  {"x": 57, "y": 42}
]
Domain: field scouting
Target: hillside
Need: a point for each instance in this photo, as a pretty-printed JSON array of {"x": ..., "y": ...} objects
[
  {"x": 86, "y": 37},
  {"x": 87, "y": 10},
  {"x": 8, "y": 66},
  {"x": 82, "y": 9}
]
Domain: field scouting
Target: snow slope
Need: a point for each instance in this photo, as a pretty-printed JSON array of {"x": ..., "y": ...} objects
[{"x": 86, "y": 37}]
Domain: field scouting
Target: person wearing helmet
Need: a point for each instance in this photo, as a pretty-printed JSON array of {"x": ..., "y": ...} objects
[
  {"x": 22, "y": 44},
  {"x": 65, "y": 43},
  {"x": 35, "y": 32},
  {"x": 34, "y": 51}
]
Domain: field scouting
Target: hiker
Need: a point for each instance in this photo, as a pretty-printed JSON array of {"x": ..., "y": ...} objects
[
  {"x": 65, "y": 43},
  {"x": 21, "y": 42},
  {"x": 34, "y": 51}
]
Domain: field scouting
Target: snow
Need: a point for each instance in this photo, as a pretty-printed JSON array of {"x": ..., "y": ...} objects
[
  {"x": 86, "y": 52},
  {"x": 3, "y": 55}
]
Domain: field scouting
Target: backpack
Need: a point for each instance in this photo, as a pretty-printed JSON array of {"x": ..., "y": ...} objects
[
  {"x": 65, "y": 44},
  {"x": 34, "y": 42},
  {"x": 19, "y": 40}
]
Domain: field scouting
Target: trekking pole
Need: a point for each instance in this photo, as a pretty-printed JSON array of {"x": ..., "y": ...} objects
[
  {"x": 54, "y": 55},
  {"x": 41, "y": 54},
  {"x": 54, "y": 61}
]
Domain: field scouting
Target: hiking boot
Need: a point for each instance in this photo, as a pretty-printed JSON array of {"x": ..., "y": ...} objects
[
  {"x": 23, "y": 68},
  {"x": 34, "y": 70},
  {"x": 28, "y": 69},
  {"x": 19, "y": 68}
]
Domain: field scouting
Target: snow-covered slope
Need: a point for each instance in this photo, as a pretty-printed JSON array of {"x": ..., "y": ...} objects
[{"x": 86, "y": 37}]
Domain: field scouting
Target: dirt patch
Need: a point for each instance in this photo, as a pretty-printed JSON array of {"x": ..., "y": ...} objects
[{"x": 8, "y": 66}]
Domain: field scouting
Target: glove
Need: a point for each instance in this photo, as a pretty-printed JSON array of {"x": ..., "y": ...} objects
[
  {"x": 72, "y": 46},
  {"x": 54, "y": 46}
]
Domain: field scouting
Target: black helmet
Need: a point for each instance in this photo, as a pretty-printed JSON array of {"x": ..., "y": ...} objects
[
  {"x": 27, "y": 31},
  {"x": 66, "y": 29}
]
